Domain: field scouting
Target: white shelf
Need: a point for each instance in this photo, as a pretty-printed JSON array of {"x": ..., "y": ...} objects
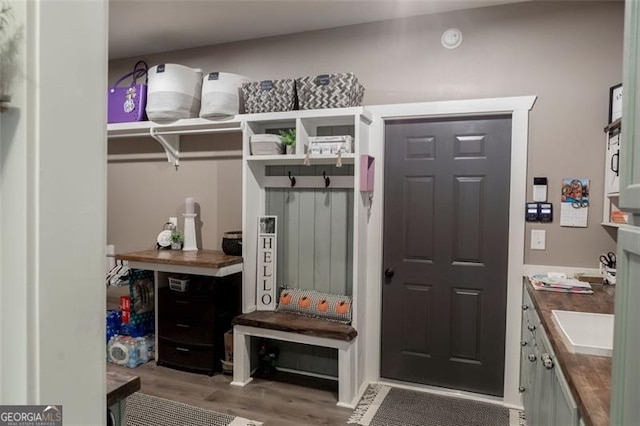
[
  {"x": 179, "y": 127},
  {"x": 614, "y": 224},
  {"x": 332, "y": 115},
  {"x": 298, "y": 159}
]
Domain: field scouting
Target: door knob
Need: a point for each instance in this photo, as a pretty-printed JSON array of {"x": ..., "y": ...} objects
[{"x": 388, "y": 273}]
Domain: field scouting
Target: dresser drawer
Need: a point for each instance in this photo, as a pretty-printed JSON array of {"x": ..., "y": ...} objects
[
  {"x": 187, "y": 357},
  {"x": 186, "y": 331},
  {"x": 185, "y": 306}
]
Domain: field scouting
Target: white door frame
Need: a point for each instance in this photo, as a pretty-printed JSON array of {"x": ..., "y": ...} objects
[{"x": 518, "y": 108}]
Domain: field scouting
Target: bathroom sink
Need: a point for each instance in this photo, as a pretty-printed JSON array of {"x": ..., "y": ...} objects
[{"x": 586, "y": 333}]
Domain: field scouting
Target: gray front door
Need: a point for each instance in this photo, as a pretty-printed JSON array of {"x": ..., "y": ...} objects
[{"x": 446, "y": 223}]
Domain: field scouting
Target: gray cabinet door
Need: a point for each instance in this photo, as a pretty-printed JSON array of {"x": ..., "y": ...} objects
[
  {"x": 625, "y": 374},
  {"x": 566, "y": 411},
  {"x": 545, "y": 386},
  {"x": 630, "y": 145}
]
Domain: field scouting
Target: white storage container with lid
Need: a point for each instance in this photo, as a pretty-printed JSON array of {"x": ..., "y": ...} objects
[
  {"x": 173, "y": 92},
  {"x": 221, "y": 94}
]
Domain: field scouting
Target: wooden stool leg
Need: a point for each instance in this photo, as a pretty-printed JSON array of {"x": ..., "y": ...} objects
[{"x": 241, "y": 357}]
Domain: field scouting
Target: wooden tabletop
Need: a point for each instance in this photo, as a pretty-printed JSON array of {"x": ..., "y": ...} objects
[
  {"x": 120, "y": 386},
  {"x": 201, "y": 258},
  {"x": 588, "y": 376}
]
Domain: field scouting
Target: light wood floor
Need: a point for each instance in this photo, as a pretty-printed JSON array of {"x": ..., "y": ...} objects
[{"x": 273, "y": 402}]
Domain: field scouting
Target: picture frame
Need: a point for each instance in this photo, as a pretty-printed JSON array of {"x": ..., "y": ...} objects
[{"x": 615, "y": 102}]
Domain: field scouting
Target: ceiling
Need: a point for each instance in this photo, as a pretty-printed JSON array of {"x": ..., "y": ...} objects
[{"x": 138, "y": 27}]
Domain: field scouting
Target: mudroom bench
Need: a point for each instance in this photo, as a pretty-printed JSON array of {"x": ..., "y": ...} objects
[{"x": 297, "y": 329}]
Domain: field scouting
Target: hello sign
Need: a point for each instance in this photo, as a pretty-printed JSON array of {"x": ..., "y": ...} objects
[{"x": 266, "y": 271}]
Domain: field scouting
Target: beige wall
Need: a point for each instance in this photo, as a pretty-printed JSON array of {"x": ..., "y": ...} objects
[{"x": 566, "y": 53}]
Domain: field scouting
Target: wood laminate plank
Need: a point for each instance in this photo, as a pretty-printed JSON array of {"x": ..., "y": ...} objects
[
  {"x": 588, "y": 376},
  {"x": 202, "y": 258},
  {"x": 293, "y": 323},
  {"x": 273, "y": 402},
  {"x": 120, "y": 385}
]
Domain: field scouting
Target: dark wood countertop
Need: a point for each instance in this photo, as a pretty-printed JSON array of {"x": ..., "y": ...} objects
[
  {"x": 120, "y": 386},
  {"x": 588, "y": 376},
  {"x": 202, "y": 258}
]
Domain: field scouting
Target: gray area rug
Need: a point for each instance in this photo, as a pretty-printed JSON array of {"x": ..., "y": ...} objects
[
  {"x": 386, "y": 406},
  {"x": 148, "y": 410}
]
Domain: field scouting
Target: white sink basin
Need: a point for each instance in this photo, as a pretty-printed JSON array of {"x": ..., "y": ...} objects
[{"x": 586, "y": 333}]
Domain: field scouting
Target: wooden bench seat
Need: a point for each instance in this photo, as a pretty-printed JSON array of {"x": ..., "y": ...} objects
[
  {"x": 298, "y": 329},
  {"x": 293, "y": 323}
]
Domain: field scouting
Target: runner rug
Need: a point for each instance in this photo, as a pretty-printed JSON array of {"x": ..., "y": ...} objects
[
  {"x": 386, "y": 406},
  {"x": 148, "y": 410}
]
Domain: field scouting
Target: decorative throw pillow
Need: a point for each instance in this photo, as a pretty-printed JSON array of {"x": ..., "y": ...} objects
[{"x": 315, "y": 304}]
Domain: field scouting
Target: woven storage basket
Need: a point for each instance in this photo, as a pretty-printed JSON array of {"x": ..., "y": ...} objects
[
  {"x": 174, "y": 92},
  {"x": 329, "y": 91},
  {"x": 221, "y": 94},
  {"x": 269, "y": 96}
]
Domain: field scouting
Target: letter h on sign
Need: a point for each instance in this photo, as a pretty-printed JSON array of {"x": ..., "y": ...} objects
[{"x": 266, "y": 268}]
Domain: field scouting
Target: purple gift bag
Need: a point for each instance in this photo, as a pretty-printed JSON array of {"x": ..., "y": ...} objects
[{"x": 128, "y": 103}]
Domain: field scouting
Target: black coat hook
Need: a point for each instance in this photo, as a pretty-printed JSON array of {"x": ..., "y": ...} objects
[
  {"x": 292, "y": 179},
  {"x": 327, "y": 181}
]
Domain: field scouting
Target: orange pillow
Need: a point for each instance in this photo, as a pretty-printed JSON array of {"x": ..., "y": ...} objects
[{"x": 315, "y": 304}]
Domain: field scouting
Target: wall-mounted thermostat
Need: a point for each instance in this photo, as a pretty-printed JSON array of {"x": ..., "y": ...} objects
[{"x": 540, "y": 189}]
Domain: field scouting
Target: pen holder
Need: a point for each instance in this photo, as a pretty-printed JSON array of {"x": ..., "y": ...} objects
[{"x": 189, "y": 232}]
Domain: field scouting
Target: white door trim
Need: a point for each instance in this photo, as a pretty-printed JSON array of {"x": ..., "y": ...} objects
[{"x": 518, "y": 108}]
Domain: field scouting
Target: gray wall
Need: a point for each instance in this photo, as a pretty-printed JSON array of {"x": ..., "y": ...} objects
[{"x": 567, "y": 53}]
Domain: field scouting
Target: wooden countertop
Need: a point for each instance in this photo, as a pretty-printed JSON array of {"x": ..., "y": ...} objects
[
  {"x": 588, "y": 376},
  {"x": 202, "y": 258},
  {"x": 120, "y": 386}
]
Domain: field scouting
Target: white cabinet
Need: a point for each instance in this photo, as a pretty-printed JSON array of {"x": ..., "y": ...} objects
[
  {"x": 612, "y": 166},
  {"x": 612, "y": 216},
  {"x": 257, "y": 179},
  {"x": 314, "y": 213}
]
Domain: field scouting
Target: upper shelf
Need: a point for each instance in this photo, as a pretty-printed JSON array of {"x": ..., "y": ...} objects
[
  {"x": 229, "y": 124},
  {"x": 179, "y": 127},
  {"x": 168, "y": 134}
]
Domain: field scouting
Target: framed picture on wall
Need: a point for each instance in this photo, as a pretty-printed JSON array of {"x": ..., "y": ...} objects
[{"x": 615, "y": 103}]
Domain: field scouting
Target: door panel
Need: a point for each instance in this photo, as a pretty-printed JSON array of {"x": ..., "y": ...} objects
[{"x": 446, "y": 240}]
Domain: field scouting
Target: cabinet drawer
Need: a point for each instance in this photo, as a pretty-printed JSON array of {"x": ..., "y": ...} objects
[
  {"x": 185, "y": 331},
  {"x": 183, "y": 306},
  {"x": 186, "y": 356}
]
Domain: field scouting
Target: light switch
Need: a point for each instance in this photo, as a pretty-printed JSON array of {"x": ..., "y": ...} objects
[{"x": 538, "y": 239}]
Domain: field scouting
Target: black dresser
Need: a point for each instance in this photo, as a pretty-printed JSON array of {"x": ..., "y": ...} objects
[{"x": 191, "y": 325}]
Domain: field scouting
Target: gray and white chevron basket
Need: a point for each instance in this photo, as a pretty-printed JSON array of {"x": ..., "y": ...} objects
[
  {"x": 329, "y": 91},
  {"x": 269, "y": 96}
]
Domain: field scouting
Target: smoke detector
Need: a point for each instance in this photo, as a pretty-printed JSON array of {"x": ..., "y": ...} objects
[{"x": 451, "y": 38}]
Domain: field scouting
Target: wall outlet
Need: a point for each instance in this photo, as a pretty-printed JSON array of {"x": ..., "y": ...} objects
[
  {"x": 538, "y": 239},
  {"x": 174, "y": 221}
]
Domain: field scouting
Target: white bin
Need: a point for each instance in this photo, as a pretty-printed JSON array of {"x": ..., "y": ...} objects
[
  {"x": 221, "y": 94},
  {"x": 173, "y": 92}
]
